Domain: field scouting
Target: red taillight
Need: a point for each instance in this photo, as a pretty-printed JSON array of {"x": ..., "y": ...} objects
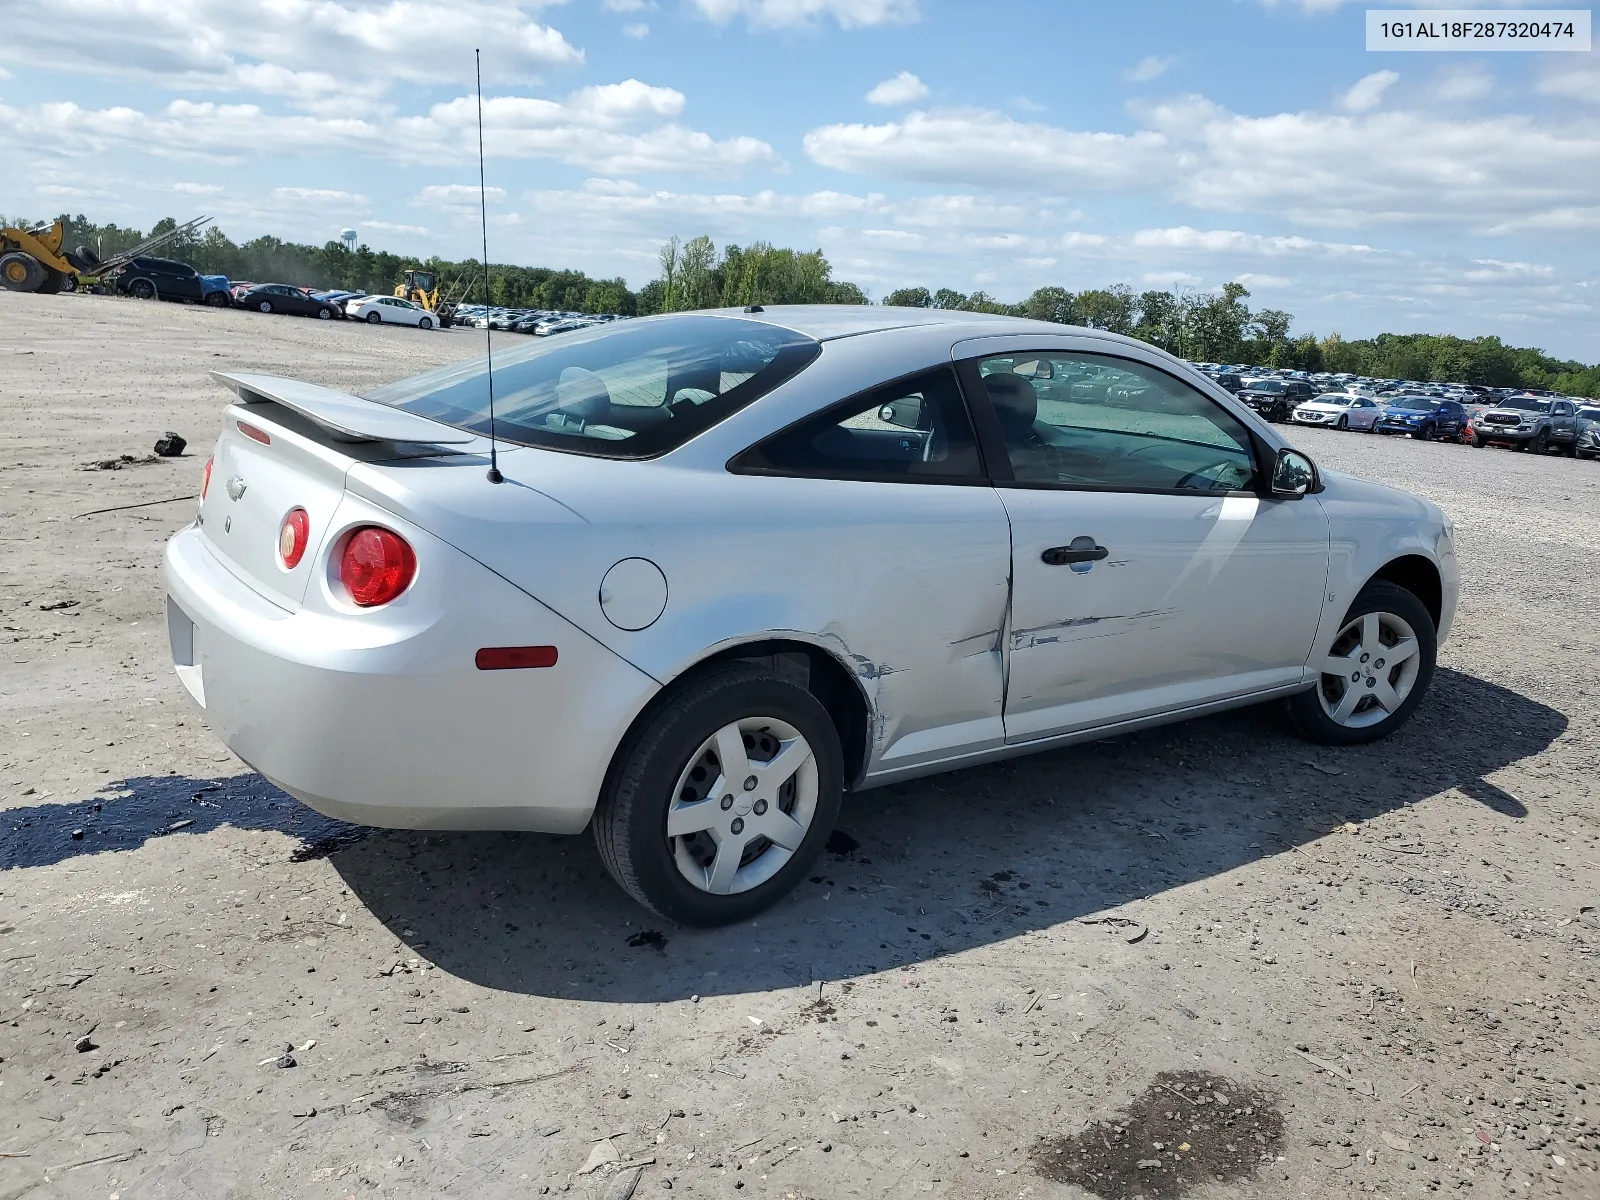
[
  {"x": 251, "y": 432},
  {"x": 293, "y": 536},
  {"x": 376, "y": 566},
  {"x": 205, "y": 478}
]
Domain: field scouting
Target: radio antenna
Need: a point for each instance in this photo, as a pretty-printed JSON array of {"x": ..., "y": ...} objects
[{"x": 483, "y": 212}]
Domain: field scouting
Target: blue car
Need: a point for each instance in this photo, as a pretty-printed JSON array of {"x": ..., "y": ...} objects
[{"x": 1423, "y": 417}]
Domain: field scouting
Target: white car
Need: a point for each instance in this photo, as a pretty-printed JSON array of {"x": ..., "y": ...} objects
[
  {"x": 728, "y": 565},
  {"x": 376, "y": 310},
  {"x": 1338, "y": 410}
]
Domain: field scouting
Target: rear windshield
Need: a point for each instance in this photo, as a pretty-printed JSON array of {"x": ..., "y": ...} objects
[{"x": 634, "y": 389}]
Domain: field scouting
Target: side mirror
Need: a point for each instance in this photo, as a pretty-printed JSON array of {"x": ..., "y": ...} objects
[
  {"x": 1293, "y": 475},
  {"x": 905, "y": 413}
]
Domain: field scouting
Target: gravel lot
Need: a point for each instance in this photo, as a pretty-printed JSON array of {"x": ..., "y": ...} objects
[{"x": 1270, "y": 969}]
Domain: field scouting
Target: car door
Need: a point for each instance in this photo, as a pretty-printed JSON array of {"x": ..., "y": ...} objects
[
  {"x": 181, "y": 282},
  {"x": 1151, "y": 572},
  {"x": 1563, "y": 424},
  {"x": 905, "y": 521}
]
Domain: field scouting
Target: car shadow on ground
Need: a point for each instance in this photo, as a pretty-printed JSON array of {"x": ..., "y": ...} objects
[
  {"x": 940, "y": 865},
  {"x": 915, "y": 871}
]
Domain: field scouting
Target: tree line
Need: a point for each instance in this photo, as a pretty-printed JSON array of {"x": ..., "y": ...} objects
[{"x": 1201, "y": 326}]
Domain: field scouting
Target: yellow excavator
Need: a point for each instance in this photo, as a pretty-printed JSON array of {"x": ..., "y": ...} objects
[{"x": 422, "y": 287}]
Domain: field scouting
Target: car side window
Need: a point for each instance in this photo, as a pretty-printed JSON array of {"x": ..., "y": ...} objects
[
  {"x": 913, "y": 430},
  {"x": 1092, "y": 421}
]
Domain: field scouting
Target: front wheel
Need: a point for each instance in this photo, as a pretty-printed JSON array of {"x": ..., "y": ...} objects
[
  {"x": 324, "y": 314},
  {"x": 425, "y": 323},
  {"x": 1541, "y": 442},
  {"x": 1479, "y": 441},
  {"x": 374, "y": 318},
  {"x": 1424, "y": 434},
  {"x": 1375, "y": 673},
  {"x": 219, "y": 300},
  {"x": 1342, "y": 424},
  {"x": 718, "y": 805}
]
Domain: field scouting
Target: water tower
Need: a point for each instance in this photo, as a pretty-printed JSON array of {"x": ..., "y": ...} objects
[{"x": 348, "y": 237}]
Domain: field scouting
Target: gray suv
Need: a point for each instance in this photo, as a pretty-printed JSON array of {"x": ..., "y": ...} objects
[{"x": 1532, "y": 423}]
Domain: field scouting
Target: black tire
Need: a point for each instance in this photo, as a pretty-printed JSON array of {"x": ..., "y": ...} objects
[
  {"x": 21, "y": 272},
  {"x": 141, "y": 289},
  {"x": 1541, "y": 441},
  {"x": 425, "y": 323},
  {"x": 1425, "y": 434},
  {"x": 324, "y": 314},
  {"x": 1480, "y": 441},
  {"x": 374, "y": 318},
  {"x": 1570, "y": 449},
  {"x": 1342, "y": 424},
  {"x": 264, "y": 306},
  {"x": 54, "y": 281},
  {"x": 218, "y": 300},
  {"x": 630, "y": 819},
  {"x": 1305, "y": 709}
]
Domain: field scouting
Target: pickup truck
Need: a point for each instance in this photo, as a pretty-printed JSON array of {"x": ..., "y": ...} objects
[{"x": 1535, "y": 423}]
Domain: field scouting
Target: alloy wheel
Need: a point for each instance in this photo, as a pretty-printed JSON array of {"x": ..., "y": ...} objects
[
  {"x": 743, "y": 805},
  {"x": 1370, "y": 670}
]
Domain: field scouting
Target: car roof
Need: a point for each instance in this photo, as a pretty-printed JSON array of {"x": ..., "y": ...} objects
[{"x": 825, "y": 322}]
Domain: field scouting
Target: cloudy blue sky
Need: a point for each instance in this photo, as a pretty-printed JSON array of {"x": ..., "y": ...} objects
[{"x": 1000, "y": 145}]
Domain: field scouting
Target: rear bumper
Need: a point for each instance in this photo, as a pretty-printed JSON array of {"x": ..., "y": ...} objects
[{"x": 381, "y": 717}]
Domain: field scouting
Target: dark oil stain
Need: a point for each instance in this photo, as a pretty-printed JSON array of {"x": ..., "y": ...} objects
[
  {"x": 989, "y": 885},
  {"x": 842, "y": 844},
  {"x": 1002, "y": 877},
  {"x": 405, "y": 1108},
  {"x": 653, "y": 938},
  {"x": 1230, "y": 1130}
]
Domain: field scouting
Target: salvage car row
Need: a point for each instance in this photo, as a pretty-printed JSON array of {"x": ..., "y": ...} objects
[{"x": 1475, "y": 416}]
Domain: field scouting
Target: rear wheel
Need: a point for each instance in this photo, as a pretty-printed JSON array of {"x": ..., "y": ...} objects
[
  {"x": 718, "y": 805},
  {"x": 1375, "y": 673},
  {"x": 264, "y": 306}
]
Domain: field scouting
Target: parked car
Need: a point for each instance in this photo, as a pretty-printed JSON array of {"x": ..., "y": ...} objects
[
  {"x": 281, "y": 298},
  {"x": 1275, "y": 399},
  {"x": 1529, "y": 422},
  {"x": 597, "y": 643},
  {"x": 1422, "y": 417},
  {"x": 1587, "y": 443},
  {"x": 389, "y": 310},
  {"x": 1339, "y": 410},
  {"x": 169, "y": 279}
]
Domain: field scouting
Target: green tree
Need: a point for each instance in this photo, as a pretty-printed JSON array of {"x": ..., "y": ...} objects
[
  {"x": 1050, "y": 304},
  {"x": 913, "y": 297}
]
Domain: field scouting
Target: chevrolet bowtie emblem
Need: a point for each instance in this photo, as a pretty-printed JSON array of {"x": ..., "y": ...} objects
[{"x": 237, "y": 487}]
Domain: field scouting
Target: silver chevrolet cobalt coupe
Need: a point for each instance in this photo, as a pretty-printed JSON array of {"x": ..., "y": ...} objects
[{"x": 743, "y": 561}]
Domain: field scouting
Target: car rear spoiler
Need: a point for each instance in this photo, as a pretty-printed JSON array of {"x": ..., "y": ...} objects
[{"x": 349, "y": 418}]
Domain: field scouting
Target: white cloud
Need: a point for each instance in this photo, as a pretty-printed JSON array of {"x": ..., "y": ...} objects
[
  {"x": 319, "y": 196},
  {"x": 455, "y": 195},
  {"x": 904, "y": 88},
  {"x": 1259, "y": 279},
  {"x": 625, "y": 6},
  {"x": 780, "y": 14},
  {"x": 1171, "y": 278},
  {"x": 622, "y": 128},
  {"x": 978, "y": 146},
  {"x": 1571, "y": 76},
  {"x": 391, "y": 227},
  {"x": 1367, "y": 92},
  {"x": 1457, "y": 84},
  {"x": 1232, "y": 241},
  {"x": 1344, "y": 169},
  {"x": 637, "y": 30},
  {"x": 195, "y": 189},
  {"x": 339, "y": 49},
  {"x": 1151, "y": 66}
]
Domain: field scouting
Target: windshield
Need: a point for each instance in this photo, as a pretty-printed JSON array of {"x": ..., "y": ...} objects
[
  {"x": 1412, "y": 403},
  {"x": 629, "y": 391},
  {"x": 1526, "y": 404},
  {"x": 1335, "y": 399},
  {"x": 1264, "y": 385}
]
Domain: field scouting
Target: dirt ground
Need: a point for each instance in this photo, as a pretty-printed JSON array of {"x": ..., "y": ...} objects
[{"x": 1207, "y": 961}]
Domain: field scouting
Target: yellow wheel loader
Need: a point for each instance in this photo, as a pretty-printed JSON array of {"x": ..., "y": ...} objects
[
  {"x": 422, "y": 287},
  {"x": 31, "y": 260}
]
